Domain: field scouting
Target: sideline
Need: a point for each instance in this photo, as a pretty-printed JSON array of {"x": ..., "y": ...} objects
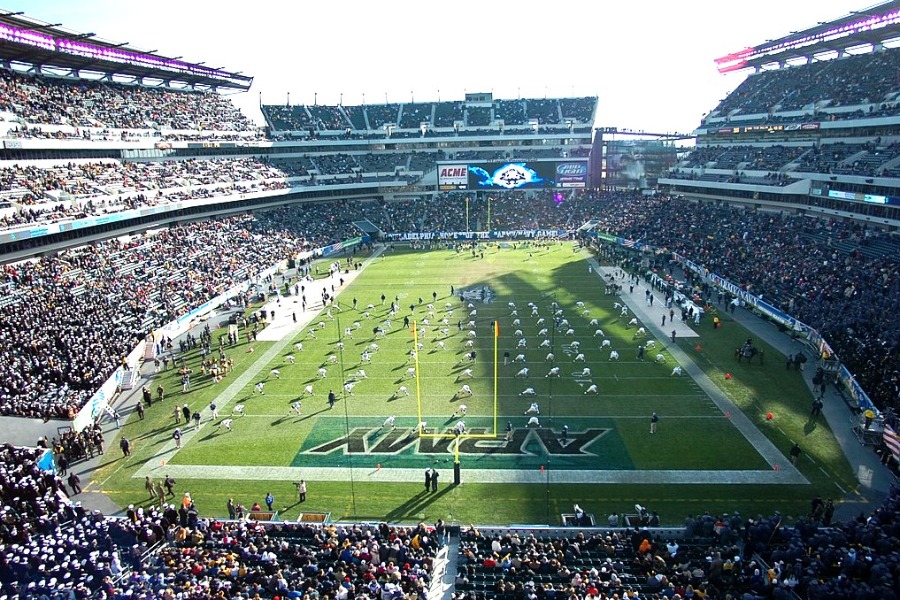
[
  {"x": 782, "y": 472},
  {"x": 651, "y": 318},
  {"x": 159, "y": 462},
  {"x": 372, "y": 473}
]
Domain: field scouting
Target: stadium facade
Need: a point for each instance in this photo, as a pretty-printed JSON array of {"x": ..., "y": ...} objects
[{"x": 81, "y": 168}]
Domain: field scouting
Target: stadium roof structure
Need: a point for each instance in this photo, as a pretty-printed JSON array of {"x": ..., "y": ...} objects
[
  {"x": 871, "y": 26},
  {"x": 33, "y": 42}
]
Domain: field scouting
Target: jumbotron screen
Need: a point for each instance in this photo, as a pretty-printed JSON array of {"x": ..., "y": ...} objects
[
  {"x": 513, "y": 175},
  {"x": 638, "y": 163}
]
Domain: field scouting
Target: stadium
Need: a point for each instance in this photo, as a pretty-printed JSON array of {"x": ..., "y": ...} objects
[{"x": 484, "y": 347}]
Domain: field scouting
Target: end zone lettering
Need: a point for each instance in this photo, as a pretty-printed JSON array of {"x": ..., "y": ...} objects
[{"x": 371, "y": 441}]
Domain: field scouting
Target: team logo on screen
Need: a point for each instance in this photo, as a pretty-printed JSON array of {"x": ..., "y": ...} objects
[{"x": 510, "y": 176}]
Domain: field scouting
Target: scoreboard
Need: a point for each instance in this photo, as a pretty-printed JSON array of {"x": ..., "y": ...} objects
[{"x": 513, "y": 175}]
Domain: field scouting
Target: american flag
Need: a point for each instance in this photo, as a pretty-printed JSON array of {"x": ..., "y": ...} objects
[
  {"x": 628, "y": 243},
  {"x": 892, "y": 441}
]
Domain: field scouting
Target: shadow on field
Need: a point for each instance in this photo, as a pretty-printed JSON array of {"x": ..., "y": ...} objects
[
  {"x": 153, "y": 432},
  {"x": 414, "y": 505},
  {"x": 290, "y": 506},
  {"x": 291, "y": 417},
  {"x": 109, "y": 462},
  {"x": 212, "y": 434}
]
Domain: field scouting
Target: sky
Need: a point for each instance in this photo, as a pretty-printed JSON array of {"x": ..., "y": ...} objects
[{"x": 650, "y": 62}]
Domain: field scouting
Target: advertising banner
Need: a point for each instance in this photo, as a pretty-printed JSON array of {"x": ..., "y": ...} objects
[{"x": 453, "y": 177}]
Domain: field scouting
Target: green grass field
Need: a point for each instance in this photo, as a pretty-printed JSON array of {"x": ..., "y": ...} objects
[{"x": 531, "y": 479}]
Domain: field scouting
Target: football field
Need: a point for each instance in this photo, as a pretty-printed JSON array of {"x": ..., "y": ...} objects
[{"x": 512, "y": 361}]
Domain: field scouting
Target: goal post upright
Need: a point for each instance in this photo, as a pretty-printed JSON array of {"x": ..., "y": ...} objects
[{"x": 458, "y": 437}]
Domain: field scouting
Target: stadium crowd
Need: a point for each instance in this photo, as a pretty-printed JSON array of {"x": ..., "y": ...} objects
[
  {"x": 69, "y": 320},
  {"x": 72, "y": 350},
  {"x": 82, "y": 103},
  {"x": 712, "y": 557},
  {"x": 817, "y": 270},
  {"x": 247, "y": 559},
  {"x": 447, "y": 212},
  {"x": 45, "y": 194},
  {"x": 864, "y": 159},
  {"x": 853, "y": 80},
  {"x": 410, "y": 116},
  {"x": 444, "y": 213},
  {"x": 51, "y": 547},
  {"x": 31, "y": 185},
  {"x": 814, "y": 269},
  {"x": 613, "y": 563},
  {"x": 318, "y": 224},
  {"x": 77, "y": 190},
  {"x": 814, "y": 116}
]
